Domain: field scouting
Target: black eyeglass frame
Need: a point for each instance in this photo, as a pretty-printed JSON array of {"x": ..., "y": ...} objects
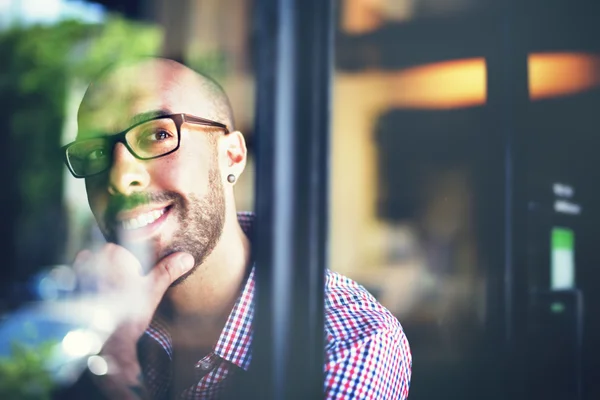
[{"x": 120, "y": 137}]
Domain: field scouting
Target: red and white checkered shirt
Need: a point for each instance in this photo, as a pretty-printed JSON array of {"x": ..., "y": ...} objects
[{"x": 367, "y": 353}]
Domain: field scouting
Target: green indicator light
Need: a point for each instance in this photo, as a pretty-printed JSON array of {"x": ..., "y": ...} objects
[
  {"x": 557, "y": 307},
  {"x": 562, "y": 266}
]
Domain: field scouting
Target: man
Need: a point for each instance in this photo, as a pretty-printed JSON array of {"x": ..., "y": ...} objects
[{"x": 160, "y": 155}]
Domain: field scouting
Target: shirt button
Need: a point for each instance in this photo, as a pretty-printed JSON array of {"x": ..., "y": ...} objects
[{"x": 204, "y": 365}]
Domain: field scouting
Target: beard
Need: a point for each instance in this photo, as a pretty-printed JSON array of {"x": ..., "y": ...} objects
[{"x": 201, "y": 223}]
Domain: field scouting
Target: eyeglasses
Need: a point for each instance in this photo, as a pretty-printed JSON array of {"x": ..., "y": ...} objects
[{"x": 152, "y": 138}]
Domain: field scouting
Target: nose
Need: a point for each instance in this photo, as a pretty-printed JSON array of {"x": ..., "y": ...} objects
[{"x": 127, "y": 174}]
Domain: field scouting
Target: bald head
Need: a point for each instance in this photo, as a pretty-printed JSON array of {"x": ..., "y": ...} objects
[{"x": 124, "y": 91}]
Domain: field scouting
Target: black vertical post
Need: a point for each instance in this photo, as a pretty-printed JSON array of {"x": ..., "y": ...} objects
[
  {"x": 508, "y": 102},
  {"x": 294, "y": 69}
]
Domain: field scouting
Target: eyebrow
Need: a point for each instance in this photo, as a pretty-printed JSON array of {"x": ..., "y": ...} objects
[
  {"x": 136, "y": 119},
  {"x": 141, "y": 117}
]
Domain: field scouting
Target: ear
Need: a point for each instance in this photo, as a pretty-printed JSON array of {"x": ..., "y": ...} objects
[{"x": 233, "y": 146}]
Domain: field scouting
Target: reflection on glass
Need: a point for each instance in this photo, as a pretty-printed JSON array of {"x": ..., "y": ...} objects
[{"x": 563, "y": 259}]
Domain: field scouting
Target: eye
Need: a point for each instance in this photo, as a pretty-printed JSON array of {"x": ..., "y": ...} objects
[
  {"x": 158, "y": 135},
  {"x": 154, "y": 138},
  {"x": 96, "y": 154}
]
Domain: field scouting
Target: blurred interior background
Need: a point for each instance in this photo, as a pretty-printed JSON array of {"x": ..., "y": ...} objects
[{"x": 463, "y": 173}]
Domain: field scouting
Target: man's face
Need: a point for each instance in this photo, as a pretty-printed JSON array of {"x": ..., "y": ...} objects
[{"x": 160, "y": 206}]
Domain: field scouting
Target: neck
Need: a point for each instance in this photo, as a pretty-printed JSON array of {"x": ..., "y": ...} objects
[{"x": 205, "y": 299}]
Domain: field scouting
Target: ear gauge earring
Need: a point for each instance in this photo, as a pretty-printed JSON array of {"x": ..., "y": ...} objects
[{"x": 230, "y": 178}]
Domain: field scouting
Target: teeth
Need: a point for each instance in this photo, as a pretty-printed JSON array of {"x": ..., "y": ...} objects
[{"x": 142, "y": 220}]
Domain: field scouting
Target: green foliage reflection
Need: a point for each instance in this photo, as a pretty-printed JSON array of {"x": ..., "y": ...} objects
[
  {"x": 39, "y": 65},
  {"x": 24, "y": 375}
]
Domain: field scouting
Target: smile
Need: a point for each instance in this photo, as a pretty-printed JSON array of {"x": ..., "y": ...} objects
[{"x": 142, "y": 220}]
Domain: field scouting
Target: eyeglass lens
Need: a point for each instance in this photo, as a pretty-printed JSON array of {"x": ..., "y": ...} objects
[{"x": 150, "y": 139}]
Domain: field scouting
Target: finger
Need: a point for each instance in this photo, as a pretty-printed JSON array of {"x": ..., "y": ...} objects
[
  {"x": 83, "y": 270},
  {"x": 82, "y": 257},
  {"x": 167, "y": 271},
  {"x": 111, "y": 267},
  {"x": 143, "y": 251},
  {"x": 120, "y": 262},
  {"x": 117, "y": 270}
]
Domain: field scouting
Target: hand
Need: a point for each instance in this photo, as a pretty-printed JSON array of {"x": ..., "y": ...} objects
[{"x": 132, "y": 299}]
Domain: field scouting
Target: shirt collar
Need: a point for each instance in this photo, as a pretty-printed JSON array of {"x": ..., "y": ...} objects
[{"x": 234, "y": 344}]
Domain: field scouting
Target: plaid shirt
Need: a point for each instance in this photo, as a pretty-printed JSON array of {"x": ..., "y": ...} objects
[{"x": 367, "y": 353}]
